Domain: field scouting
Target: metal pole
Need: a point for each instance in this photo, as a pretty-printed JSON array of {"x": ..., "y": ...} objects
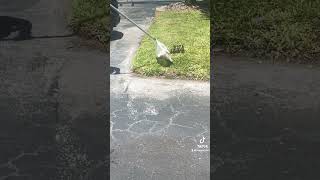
[{"x": 132, "y": 22}]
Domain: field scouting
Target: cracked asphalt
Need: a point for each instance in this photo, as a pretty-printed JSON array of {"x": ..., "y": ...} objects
[
  {"x": 52, "y": 101},
  {"x": 156, "y": 124}
]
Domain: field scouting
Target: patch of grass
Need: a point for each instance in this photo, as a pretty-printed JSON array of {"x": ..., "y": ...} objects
[
  {"x": 190, "y": 28},
  {"x": 286, "y": 29},
  {"x": 90, "y": 19}
]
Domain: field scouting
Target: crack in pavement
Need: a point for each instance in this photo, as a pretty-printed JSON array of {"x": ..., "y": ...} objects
[
  {"x": 11, "y": 165},
  {"x": 139, "y": 119},
  {"x": 149, "y": 110},
  {"x": 155, "y": 123}
]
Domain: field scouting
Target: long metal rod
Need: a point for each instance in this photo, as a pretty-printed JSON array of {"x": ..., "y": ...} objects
[{"x": 132, "y": 22}]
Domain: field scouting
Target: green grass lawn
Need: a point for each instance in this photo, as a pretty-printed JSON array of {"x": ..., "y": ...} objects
[
  {"x": 286, "y": 29},
  {"x": 90, "y": 19},
  {"x": 192, "y": 29}
]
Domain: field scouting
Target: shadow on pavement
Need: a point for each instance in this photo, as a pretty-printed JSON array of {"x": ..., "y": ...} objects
[
  {"x": 38, "y": 37},
  {"x": 114, "y": 70},
  {"x": 11, "y": 24},
  {"x": 8, "y": 25},
  {"x": 115, "y": 35}
]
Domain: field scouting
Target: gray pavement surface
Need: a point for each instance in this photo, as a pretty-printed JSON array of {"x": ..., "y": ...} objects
[
  {"x": 52, "y": 100},
  {"x": 156, "y": 124},
  {"x": 266, "y": 120},
  {"x": 125, "y": 38}
]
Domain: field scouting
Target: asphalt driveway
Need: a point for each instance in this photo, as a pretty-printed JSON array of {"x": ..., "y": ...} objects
[
  {"x": 159, "y": 128},
  {"x": 266, "y": 120},
  {"x": 52, "y": 98},
  {"x": 125, "y": 37}
]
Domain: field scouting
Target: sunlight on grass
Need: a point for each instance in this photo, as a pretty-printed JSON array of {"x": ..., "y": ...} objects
[{"x": 192, "y": 29}]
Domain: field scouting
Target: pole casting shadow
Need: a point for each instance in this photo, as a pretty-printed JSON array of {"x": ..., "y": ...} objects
[
  {"x": 9, "y": 25},
  {"x": 115, "y": 35}
]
